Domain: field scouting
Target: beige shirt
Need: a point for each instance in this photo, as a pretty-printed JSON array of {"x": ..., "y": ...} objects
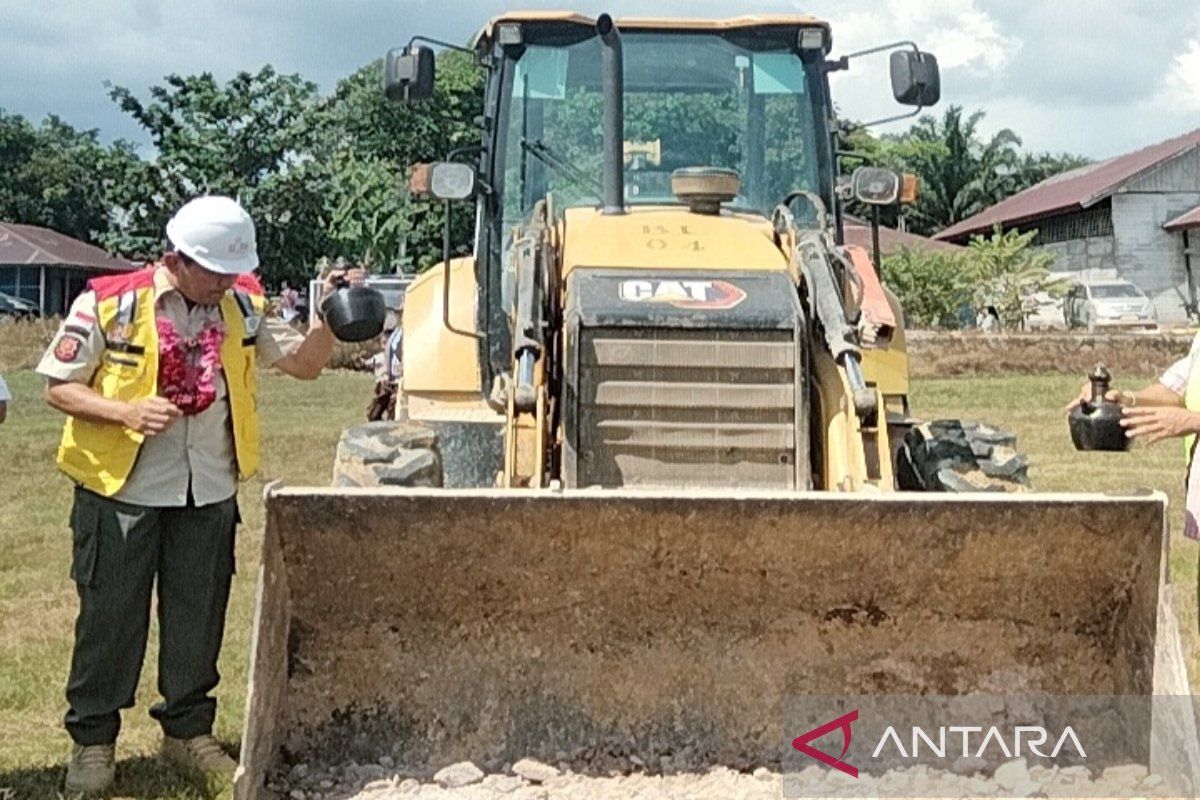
[{"x": 196, "y": 451}]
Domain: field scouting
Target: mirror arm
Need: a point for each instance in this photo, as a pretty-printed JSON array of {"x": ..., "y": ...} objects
[
  {"x": 439, "y": 43},
  {"x": 873, "y": 122},
  {"x": 879, "y": 49}
]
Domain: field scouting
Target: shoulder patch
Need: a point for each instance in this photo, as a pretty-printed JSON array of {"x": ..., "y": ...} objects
[{"x": 68, "y": 347}]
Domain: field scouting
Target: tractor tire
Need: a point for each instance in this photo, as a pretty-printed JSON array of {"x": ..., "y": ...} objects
[
  {"x": 953, "y": 456},
  {"x": 388, "y": 454}
]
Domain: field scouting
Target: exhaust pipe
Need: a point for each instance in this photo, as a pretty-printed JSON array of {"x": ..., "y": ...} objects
[{"x": 613, "y": 75}]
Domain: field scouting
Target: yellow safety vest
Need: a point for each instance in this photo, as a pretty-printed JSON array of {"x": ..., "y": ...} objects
[{"x": 100, "y": 456}]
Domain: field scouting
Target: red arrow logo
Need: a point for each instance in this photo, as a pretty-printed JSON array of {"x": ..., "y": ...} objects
[{"x": 842, "y": 723}]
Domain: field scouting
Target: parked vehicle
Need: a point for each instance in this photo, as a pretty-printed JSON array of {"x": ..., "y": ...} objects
[
  {"x": 13, "y": 308},
  {"x": 1108, "y": 304},
  {"x": 1045, "y": 312}
]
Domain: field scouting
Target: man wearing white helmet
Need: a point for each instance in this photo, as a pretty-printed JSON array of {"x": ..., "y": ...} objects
[{"x": 157, "y": 372}]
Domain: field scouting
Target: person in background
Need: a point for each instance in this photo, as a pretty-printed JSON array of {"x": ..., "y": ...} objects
[
  {"x": 989, "y": 320},
  {"x": 289, "y": 299},
  {"x": 5, "y": 397},
  {"x": 157, "y": 372},
  {"x": 388, "y": 365}
]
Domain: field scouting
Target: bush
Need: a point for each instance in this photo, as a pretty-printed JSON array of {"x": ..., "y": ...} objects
[
  {"x": 1001, "y": 270},
  {"x": 932, "y": 286},
  {"x": 1006, "y": 272}
]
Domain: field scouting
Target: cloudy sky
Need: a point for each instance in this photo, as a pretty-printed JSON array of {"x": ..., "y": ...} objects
[{"x": 1094, "y": 77}]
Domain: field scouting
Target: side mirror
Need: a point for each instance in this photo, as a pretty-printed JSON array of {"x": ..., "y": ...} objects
[
  {"x": 915, "y": 78},
  {"x": 445, "y": 180},
  {"x": 875, "y": 186},
  {"x": 408, "y": 74}
]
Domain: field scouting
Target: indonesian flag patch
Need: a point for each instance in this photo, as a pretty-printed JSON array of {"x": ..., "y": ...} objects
[{"x": 67, "y": 349}]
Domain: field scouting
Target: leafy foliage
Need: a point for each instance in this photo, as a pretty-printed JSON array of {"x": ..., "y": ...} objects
[
  {"x": 237, "y": 138},
  {"x": 931, "y": 285},
  {"x": 1006, "y": 272},
  {"x": 937, "y": 288},
  {"x": 57, "y": 177},
  {"x": 368, "y": 145},
  {"x": 324, "y": 176},
  {"x": 321, "y": 176},
  {"x": 960, "y": 172}
]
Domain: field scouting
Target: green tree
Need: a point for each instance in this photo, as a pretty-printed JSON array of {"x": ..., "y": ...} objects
[
  {"x": 1037, "y": 167},
  {"x": 241, "y": 138},
  {"x": 960, "y": 172},
  {"x": 57, "y": 177},
  {"x": 1005, "y": 272},
  {"x": 933, "y": 286},
  {"x": 370, "y": 143},
  {"x": 321, "y": 176}
]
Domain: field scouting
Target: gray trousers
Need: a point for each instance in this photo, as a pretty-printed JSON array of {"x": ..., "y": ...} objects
[{"x": 119, "y": 550}]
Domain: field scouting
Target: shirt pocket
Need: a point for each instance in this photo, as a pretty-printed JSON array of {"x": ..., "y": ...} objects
[{"x": 118, "y": 370}]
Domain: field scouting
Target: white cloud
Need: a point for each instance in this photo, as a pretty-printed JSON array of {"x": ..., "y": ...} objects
[
  {"x": 963, "y": 35},
  {"x": 1182, "y": 87},
  {"x": 971, "y": 46}
]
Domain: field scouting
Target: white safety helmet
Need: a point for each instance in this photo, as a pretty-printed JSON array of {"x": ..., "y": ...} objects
[{"x": 216, "y": 233}]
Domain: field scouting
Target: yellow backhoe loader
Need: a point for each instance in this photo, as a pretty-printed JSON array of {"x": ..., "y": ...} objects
[{"x": 658, "y": 469}]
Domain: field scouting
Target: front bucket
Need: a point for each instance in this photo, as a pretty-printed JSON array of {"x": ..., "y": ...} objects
[{"x": 434, "y": 626}]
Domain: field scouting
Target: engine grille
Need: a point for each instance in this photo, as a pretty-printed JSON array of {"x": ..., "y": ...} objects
[{"x": 670, "y": 407}]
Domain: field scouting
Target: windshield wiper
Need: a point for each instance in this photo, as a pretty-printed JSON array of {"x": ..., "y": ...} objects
[{"x": 556, "y": 161}]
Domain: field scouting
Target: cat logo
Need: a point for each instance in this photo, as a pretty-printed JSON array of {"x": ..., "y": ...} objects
[{"x": 706, "y": 295}]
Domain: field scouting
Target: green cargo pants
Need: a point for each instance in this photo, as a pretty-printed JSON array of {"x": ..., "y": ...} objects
[{"x": 119, "y": 549}]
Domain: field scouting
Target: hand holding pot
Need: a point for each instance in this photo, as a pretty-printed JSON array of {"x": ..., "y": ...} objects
[
  {"x": 353, "y": 311},
  {"x": 1095, "y": 417},
  {"x": 342, "y": 276}
]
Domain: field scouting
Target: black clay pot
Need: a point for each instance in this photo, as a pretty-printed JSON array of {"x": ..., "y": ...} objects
[
  {"x": 354, "y": 313},
  {"x": 1096, "y": 424}
]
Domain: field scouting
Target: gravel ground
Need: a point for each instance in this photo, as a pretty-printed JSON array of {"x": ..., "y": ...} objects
[{"x": 531, "y": 780}]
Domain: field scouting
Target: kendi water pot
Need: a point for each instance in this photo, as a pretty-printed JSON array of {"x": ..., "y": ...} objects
[
  {"x": 1096, "y": 423},
  {"x": 354, "y": 313}
]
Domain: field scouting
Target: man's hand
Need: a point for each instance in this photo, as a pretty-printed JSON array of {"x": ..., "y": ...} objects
[
  {"x": 151, "y": 416},
  {"x": 1151, "y": 395},
  {"x": 334, "y": 278},
  {"x": 1118, "y": 396},
  {"x": 1154, "y": 423}
]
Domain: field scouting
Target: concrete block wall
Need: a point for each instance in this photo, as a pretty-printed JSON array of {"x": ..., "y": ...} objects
[{"x": 1149, "y": 256}]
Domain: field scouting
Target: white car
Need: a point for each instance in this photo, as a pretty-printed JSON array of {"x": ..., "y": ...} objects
[
  {"x": 1108, "y": 304},
  {"x": 1044, "y": 313}
]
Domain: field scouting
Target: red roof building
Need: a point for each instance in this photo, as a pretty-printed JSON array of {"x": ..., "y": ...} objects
[
  {"x": 49, "y": 268},
  {"x": 1127, "y": 217},
  {"x": 858, "y": 232}
]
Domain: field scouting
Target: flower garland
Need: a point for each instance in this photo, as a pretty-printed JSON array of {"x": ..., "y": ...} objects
[{"x": 187, "y": 366}]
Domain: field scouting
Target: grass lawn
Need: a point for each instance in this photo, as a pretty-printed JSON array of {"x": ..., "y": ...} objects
[{"x": 301, "y": 425}]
